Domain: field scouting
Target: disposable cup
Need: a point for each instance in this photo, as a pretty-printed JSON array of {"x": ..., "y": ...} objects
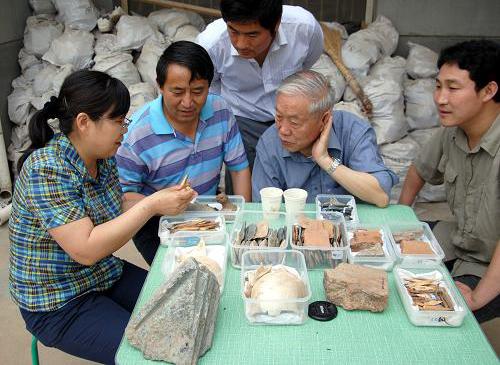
[
  {"x": 271, "y": 201},
  {"x": 295, "y": 200}
]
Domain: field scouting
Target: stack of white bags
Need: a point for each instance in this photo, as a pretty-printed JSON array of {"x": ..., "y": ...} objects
[{"x": 68, "y": 35}]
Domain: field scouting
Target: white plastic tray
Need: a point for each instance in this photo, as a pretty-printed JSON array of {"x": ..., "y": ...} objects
[
  {"x": 425, "y": 260},
  {"x": 385, "y": 262},
  {"x": 348, "y": 199},
  {"x": 430, "y": 318},
  {"x": 183, "y": 243},
  {"x": 285, "y": 311}
]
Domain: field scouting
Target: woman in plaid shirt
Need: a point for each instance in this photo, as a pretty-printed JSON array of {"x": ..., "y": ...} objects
[{"x": 68, "y": 219}]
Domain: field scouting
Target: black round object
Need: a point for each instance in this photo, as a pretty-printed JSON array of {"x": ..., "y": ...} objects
[{"x": 322, "y": 311}]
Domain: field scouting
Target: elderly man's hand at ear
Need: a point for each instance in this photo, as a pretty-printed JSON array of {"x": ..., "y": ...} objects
[{"x": 320, "y": 146}]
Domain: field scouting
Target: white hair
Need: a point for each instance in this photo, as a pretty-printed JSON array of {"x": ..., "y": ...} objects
[{"x": 311, "y": 85}]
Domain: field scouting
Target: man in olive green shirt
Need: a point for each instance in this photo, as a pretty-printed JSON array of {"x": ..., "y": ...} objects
[{"x": 465, "y": 155}]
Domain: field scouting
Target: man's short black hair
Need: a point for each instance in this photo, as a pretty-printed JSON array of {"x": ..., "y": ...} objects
[
  {"x": 266, "y": 12},
  {"x": 188, "y": 54},
  {"x": 481, "y": 58}
]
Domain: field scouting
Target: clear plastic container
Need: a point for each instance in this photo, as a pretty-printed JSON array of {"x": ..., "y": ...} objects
[
  {"x": 417, "y": 260},
  {"x": 418, "y": 317},
  {"x": 185, "y": 244},
  {"x": 210, "y": 200},
  {"x": 385, "y": 262},
  {"x": 276, "y": 221},
  {"x": 321, "y": 257},
  {"x": 216, "y": 235},
  {"x": 350, "y": 219},
  {"x": 275, "y": 311}
]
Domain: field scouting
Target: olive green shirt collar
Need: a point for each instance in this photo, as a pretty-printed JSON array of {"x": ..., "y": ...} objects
[{"x": 490, "y": 142}]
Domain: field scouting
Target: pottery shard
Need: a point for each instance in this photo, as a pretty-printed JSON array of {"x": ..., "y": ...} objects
[
  {"x": 357, "y": 287},
  {"x": 414, "y": 247},
  {"x": 177, "y": 324},
  {"x": 363, "y": 239}
]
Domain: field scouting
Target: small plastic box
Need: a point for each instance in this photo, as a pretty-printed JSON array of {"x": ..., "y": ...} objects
[
  {"x": 321, "y": 257},
  {"x": 417, "y": 260},
  {"x": 275, "y": 221},
  {"x": 284, "y": 311},
  {"x": 430, "y": 318},
  {"x": 210, "y": 200},
  {"x": 183, "y": 244},
  {"x": 345, "y": 199},
  {"x": 385, "y": 262},
  {"x": 216, "y": 235}
]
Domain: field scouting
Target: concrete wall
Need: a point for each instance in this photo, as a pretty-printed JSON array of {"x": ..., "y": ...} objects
[
  {"x": 440, "y": 23},
  {"x": 12, "y": 21}
]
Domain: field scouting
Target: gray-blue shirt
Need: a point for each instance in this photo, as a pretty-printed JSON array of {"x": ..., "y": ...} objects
[{"x": 352, "y": 140}]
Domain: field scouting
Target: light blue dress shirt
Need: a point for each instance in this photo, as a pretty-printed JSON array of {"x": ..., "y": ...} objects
[
  {"x": 352, "y": 140},
  {"x": 249, "y": 88}
]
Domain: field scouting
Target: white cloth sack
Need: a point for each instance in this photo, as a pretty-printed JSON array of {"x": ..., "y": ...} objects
[
  {"x": 140, "y": 94},
  {"x": 19, "y": 104},
  {"x": 360, "y": 51},
  {"x": 365, "y": 47},
  {"x": 421, "y": 111},
  {"x": 26, "y": 60},
  {"x": 43, "y": 80},
  {"x": 386, "y": 35},
  {"x": 421, "y": 62},
  {"x": 118, "y": 65},
  {"x": 351, "y": 107},
  {"x": 325, "y": 66},
  {"x": 398, "y": 156},
  {"x": 77, "y": 14},
  {"x": 338, "y": 27},
  {"x": 105, "y": 43},
  {"x": 133, "y": 31},
  {"x": 39, "y": 33},
  {"x": 75, "y": 47},
  {"x": 50, "y": 79},
  {"x": 187, "y": 32},
  {"x": 388, "y": 118},
  {"x": 146, "y": 63},
  {"x": 42, "y": 6},
  {"x": 168, "y": 21},
  {"x": 389, "y": 68}
]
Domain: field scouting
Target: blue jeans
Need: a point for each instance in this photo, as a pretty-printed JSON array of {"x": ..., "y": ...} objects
[{"x": 90, "y": 326}]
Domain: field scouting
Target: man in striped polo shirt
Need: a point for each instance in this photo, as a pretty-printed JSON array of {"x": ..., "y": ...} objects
[{"x": 185, "y": 131}]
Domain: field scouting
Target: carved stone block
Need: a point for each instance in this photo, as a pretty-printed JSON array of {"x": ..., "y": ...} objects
[{"x": 177, "y": 324}]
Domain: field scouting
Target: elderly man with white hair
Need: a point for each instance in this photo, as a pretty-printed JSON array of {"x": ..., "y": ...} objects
[{"x": 319, "y": 150}]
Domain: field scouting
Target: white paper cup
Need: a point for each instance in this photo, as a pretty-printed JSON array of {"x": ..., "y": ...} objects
[
  {"x": 271, "y": 201},
  {"x": 295, "y": 200}
]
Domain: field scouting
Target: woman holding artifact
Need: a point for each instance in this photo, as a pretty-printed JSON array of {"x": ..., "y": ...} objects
[{"x": 67, "y": 221}]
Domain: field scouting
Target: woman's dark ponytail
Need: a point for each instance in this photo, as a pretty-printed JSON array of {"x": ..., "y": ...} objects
[
  {"x": 39, "y": 129},
  {"x": 92, "y": 92}
]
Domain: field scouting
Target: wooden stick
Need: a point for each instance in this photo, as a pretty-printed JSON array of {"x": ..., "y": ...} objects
[
  {"x": 177, "y": 5},
  {"x": 124, "y": 5},
  {"x": 333, "y": 48}
]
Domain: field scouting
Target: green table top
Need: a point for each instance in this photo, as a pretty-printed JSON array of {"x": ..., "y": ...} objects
[{"x": 354, "y": 337}]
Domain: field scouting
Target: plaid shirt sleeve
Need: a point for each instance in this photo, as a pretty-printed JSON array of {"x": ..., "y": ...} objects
[{"x": 55, "y": 197}]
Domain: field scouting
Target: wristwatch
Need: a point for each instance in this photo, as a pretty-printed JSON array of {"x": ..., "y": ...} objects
[{"x": 333, "y": 166}]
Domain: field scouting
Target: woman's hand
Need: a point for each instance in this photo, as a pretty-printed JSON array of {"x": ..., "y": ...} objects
[{"x": 171, "y": 201}]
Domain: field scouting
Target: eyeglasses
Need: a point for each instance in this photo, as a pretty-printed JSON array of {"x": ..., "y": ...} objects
[{"x": 126, "y": 122}]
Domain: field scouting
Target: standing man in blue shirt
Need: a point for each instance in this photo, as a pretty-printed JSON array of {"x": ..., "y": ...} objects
[
  {"x": 321, "y": 151},
  {"x": 254, "y": 47}
]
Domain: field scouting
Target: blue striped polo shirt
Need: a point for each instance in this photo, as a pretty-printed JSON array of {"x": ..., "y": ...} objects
[{"x": 153, "y": 155}]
